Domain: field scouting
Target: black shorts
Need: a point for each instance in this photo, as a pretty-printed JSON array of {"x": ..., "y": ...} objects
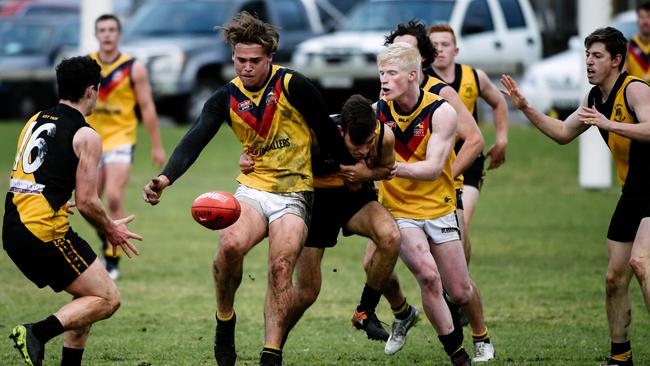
[
  {"x": 630, "y": 210},
  {"x": 474, "y": 175},
  {"x": 56, "y": 263},
  {"x": 332, "y": 210}
]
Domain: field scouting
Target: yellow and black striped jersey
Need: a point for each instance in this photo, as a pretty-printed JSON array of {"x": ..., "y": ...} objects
[
  {"x": 630, "y": 156},
  {"x": 44, "y": 173}
]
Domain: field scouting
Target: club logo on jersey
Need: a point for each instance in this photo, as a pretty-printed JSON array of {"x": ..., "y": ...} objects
[
  {"x": 245, "y": 105},
  {"x": 618, "y": 113},
  {"x": 419, "y": 129},
  {"x": 271, "y": 98},
  {"x": 468, "y": 91}
]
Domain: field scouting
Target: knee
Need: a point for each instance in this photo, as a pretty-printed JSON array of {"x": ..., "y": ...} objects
[
  {"x": 113, "y": 302},
  {"x": 114, "y": 201},
  {"x": 430, "y": 280},
  {"x": 280, "y": 272},
  {"x": 460, "y": 294},
  {"x": 614, "y": 282},
  {"x": 389, "y": 239},
  {"x": 306, "y": 294},
  {"x": 229, "y": 249},
  {"x": 640, "y": 266}
]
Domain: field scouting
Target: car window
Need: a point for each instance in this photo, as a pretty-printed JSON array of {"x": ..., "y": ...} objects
[
  {"x": 478, "y": 18},
  {"x": 70, "y": 34},
  {"x": 24, "y": 39},
  {"x": 383, "y": 15},
  {"x": 293, "y": 16},
  {"x": 161, "y": 18},
  {"x": 513, "y": 13}
]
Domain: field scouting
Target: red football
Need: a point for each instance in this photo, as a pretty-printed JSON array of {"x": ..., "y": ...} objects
[{"x": 216, "y": 210}]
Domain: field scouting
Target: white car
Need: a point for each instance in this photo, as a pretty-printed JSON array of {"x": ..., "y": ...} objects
[
  {"x": 494, "y": 35},
  {"x": 556, "y": 83}
]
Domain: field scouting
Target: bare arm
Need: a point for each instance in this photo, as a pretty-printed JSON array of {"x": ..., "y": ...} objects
[
  {"x": 468, "y": 131},
  {"x": 148, "y": 112},
  {"x": 638, "y": 95},
  {"x": 439, "y": 147},
  {"x": 88, "y": 147},
  {"x": 560, "y": 132},
  {"x": 493, "y": 97},
  {"x": 383, "y": 169}
]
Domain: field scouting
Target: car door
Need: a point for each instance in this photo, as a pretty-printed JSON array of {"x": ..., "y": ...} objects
[
  {"x": 480, "y": 43},
  {"x": 521, "y": 41}
]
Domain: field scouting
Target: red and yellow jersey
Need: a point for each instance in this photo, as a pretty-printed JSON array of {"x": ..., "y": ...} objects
[
  {"x": 630, "y": 156},
  {"x": 274, "y": 133},
  {"x": 44, "y": 173},
  {"x": 638, "y": 58},
  {"x": 114, "y": 115},
  {"x": 434, "y": 85},
  {"x": 411, "y": 198}
]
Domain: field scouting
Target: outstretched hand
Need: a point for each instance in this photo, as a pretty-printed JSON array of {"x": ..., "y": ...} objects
[
  {"x": 592, "y": 117},
  {"x": 512, "y": 91},
  {"x": 497, "y": 155},
  {"x": 153, "y": 189},
  {"x": 119, "y": 235}
]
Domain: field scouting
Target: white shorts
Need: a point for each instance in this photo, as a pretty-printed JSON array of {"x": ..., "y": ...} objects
[
  {"x": 272, "y": 205},
  {"x": 440, "y": 230},
  {"x": 121, "y": 154}
]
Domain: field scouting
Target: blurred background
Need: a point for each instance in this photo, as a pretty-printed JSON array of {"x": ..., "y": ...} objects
[{"x": 334, "y": 42}]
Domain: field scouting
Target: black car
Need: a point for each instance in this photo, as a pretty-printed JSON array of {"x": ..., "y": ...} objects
[{"x": 29, "y": 47}]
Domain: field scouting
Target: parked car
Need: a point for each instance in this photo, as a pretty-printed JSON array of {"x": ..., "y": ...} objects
[
  {"x": 29, "y": 47},
  {"x": 495, "y": 35},
  {"x": 556, "y": 83},
  {"x": 185, "y": 55},
  {"x": 40, "y": 7}
]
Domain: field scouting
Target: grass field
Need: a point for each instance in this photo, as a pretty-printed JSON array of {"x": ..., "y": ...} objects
[{"x": 539, "y": 257}]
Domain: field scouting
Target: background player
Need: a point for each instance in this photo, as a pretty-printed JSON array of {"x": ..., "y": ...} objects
[
  {"x": 638, "y": 50},
  {"x": 124, "y": 86}
]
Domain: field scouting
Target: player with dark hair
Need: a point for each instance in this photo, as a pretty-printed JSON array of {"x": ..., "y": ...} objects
[
  {"x": 638, "y": 49},
  {"x": 271, "y": 110},
  {"x": 347, "y": 199},
  {"x": 124, "y": 85},
  {"x": 57, "y": 153},
  {"x": 618, "y": 105}
]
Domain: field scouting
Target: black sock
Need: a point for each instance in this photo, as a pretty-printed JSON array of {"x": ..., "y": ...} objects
[
  {"x": 47, "y": 329},
  {"x": 369, "y": 299},
  {"x": 621, "y": 351},
  {"x": 71, "y": 356},
  {"x": 270, "y": 353},
  {"x": 402, "y": 312},
  {"x": 453, "y": 343}
]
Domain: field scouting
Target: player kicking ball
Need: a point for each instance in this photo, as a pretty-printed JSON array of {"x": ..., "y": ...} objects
[{"x": 347, "y": 199}]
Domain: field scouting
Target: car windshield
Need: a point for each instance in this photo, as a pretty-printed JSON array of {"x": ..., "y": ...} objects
[
  {"x": 24, "y": 39},
  {"x": 163, "y": 18},
  {"x": 383, "y": 15}
]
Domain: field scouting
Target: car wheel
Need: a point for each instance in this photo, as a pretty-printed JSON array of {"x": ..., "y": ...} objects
[{"x": 198, "y": 97}]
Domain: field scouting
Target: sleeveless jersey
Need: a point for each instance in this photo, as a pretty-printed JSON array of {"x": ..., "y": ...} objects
[
  {"x": 434, "y": 85},
  {"x": 334, "y": 180},
  {"x": 638, "y": 58},
  {"x": 44, "y": 173},
  {"x": 114, "y": 116},
  {"x": 411, "y": 198},
  {"x": 630, "y": 156},
  {"x": 273, "y": 133}
]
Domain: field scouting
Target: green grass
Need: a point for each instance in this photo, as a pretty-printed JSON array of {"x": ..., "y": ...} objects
[{"x": 539, "y": 257}]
